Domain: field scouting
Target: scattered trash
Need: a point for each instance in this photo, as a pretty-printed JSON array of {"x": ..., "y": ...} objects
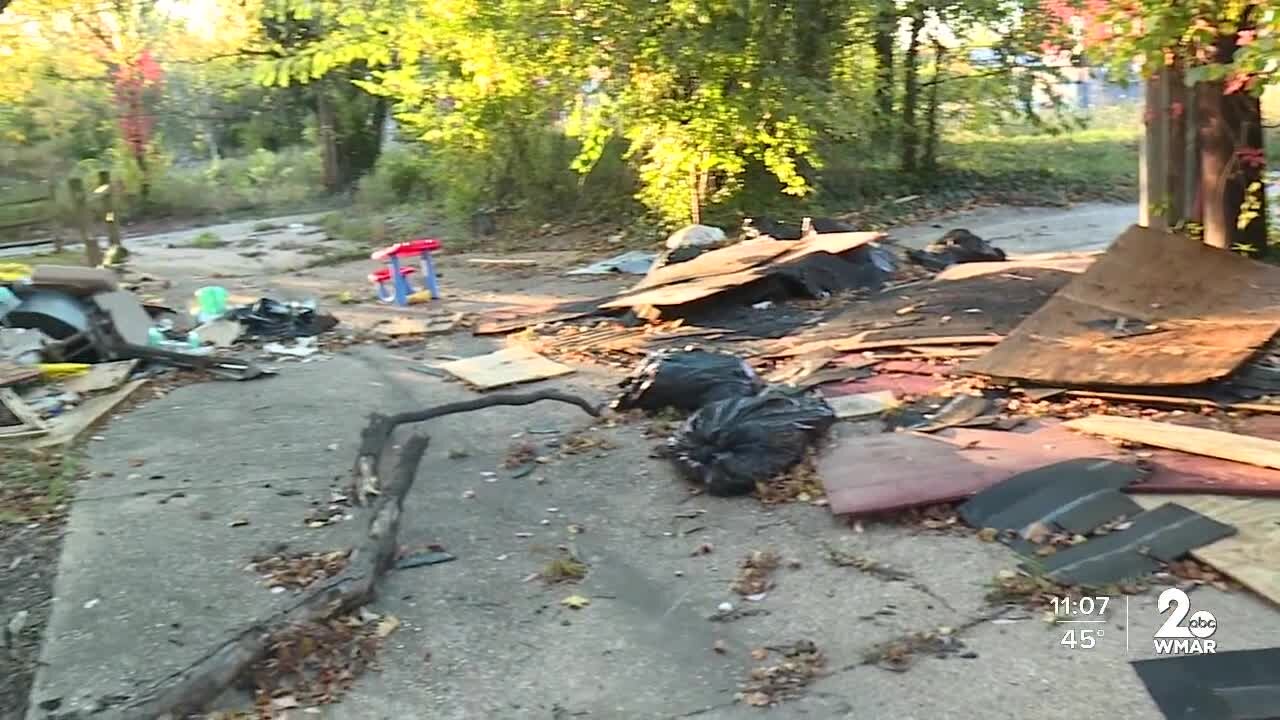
[
  {"x": 303, "y": 347},
  {"x": 730, "y": 445},
  {"x": 210, "y": 303},
  {"x": 269, "y": 318},
  {"x": 220, "y": 333},
  {"x": 862, "y": 405},
  {"x": 686, "y": 380}
]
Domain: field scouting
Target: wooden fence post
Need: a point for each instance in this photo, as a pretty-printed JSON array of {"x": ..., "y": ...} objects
[
  {"x": 109, "y": 208},
  {"x": 84, "y": 223},
  {"x": 55, "y": 222}
]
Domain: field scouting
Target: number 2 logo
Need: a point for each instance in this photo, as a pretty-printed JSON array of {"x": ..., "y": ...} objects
[{"x": 1201, "y": 625}]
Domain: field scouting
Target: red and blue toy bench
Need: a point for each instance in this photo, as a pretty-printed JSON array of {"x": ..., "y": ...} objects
[{"x": 398, "y": 274}]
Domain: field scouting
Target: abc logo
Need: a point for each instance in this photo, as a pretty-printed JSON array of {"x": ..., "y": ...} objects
[{"x": 1202, "y": 624}]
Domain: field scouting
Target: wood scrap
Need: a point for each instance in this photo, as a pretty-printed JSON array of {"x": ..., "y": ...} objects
[
  {"x": 14, "y": 374},
  {"x": 1197, "y": 441},
  {"x": 69, "y": 426},
  {"x": 193, "y": 688},
  {"x": 860, "y": 343},
  {"x": 1172, "y": 400},
  {"x": 501, "y": 261},
  {"x": 29, "y": 422}
]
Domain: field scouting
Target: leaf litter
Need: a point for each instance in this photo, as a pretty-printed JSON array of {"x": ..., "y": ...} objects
[
  {"x": 317, "y": 663},
  {"x": 298, "y": 571},
  {"x": 799, "y": 665},
  {"x": 755, "y": 573}
]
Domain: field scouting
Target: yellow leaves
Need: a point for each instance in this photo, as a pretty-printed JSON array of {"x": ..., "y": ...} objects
[{"x": 575, "y": 602}]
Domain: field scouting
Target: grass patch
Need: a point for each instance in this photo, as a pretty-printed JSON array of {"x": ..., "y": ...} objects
[
  {"x": 35, "y": 484},
  {"x": 564, "y": 569},
  {"x": 66, "y": 257},
  {"x": 207, "y": 241}
]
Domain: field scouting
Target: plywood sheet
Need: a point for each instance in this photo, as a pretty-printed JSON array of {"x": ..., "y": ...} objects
[
  {"x": 1252, "y": 555},
  {"x": 1213, "y": 309},
  {"x": 508, "y": 366}
]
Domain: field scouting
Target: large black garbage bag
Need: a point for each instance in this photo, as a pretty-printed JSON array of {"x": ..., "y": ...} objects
[
  {"x": 686, "y": 380},
  {"x": 957, "y": 246},
  {"x": 730, "y": 445}
]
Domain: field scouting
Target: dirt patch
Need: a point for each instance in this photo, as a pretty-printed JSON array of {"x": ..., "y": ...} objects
[{"x": 28, "y": 564}]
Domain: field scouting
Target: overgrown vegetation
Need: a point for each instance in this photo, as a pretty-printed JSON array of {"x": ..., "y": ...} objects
[
  {"x": 35, "y": 485},
  {"x": 516, "y": 113}
]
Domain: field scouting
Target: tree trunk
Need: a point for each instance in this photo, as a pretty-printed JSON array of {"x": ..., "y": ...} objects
[
  {"x": 931, "y": 111},
  {"x": 1231, "y": 147},
  {"x": 886, "y": 23},
  {"x": 326, "y": 122},
  {"x": 911, "y": 97}
]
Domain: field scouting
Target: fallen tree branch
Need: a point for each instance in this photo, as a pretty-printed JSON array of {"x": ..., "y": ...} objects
[
  {"x": 191, "y": 689},
  {"x": 376, "y": 435}
]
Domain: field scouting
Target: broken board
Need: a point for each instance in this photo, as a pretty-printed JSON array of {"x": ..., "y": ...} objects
[
  {"x": 102, "y": 376},
  {"x": 1204, "y": 326},
  {"x": 1249, "y": 556},
  {"x": 1198, "y": 441},
  {"x": 28, "y": 422},
  {"x": 509, "y": 366},
  {"x": 71, "y": 425},
  {"x": 14, "y": 374}
]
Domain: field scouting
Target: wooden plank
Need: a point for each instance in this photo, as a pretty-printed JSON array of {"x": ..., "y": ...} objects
[
  {"x": 858, "y": 343},
  {"x": 1249, "y": 556},
  {"x": 1197, "y": 441},
  {"x": 1174, "y": 401},
  {"x": 508, "y": 366},
  {"x": 13, "y": 374},
  {"x": 68, "y": 427},
  {"x": 964, "y": 271}
]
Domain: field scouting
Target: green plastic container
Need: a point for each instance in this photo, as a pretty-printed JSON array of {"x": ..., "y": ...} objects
[{"x": 211, "y": 303}]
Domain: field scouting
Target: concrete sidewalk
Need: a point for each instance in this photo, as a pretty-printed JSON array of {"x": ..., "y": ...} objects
[{"x": 153, "y": 574}]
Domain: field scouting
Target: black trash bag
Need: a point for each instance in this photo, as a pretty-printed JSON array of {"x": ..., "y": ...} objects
[
  {"x": 269, "y": 318},
  {"x": 686, "y": 380},
  {"x": 957, "y": 246},
  {"x": 730, "y": 445}
]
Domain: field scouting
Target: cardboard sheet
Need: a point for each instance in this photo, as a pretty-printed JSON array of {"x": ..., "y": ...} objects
[
  {"x": 508, "y": 366},
  {"x": 1211, "y": 310}
]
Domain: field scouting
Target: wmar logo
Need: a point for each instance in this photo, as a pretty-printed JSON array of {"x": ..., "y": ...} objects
[{"x": 1175, "y": 638}]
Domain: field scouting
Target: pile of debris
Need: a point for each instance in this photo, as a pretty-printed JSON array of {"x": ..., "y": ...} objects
[{"x": 74, "y": 345}]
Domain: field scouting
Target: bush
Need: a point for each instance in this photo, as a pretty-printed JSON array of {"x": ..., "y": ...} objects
[{"x": 401, "y": 175}]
